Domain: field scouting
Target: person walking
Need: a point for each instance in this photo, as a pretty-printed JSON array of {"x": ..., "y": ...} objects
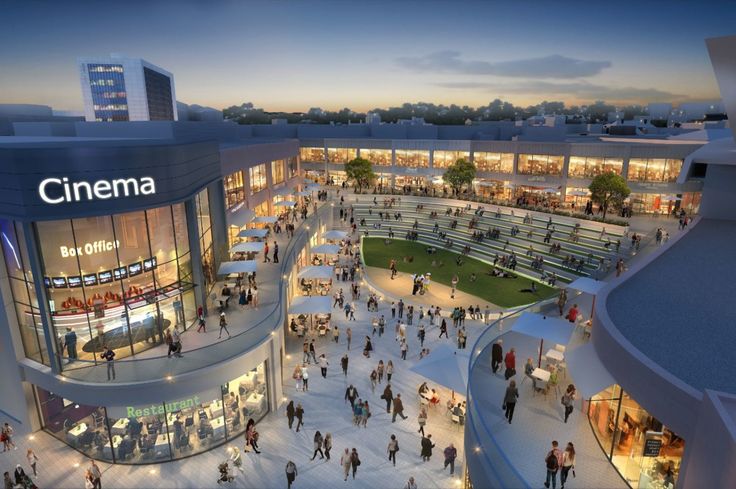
[
  {"x": 109, "y": 356},
  {"x": 96, "y": 475},
  {"x": 351, "y": 394},
  {"x": 251, "y": 435},
  {"x": 312, "y": 351},
  {"x": 323, "y": 363},
  {"x": 380, "y": 370},
  {"x": 7, "y": 481},
  {"x": 393, "y": 447},
  {"x": 510, "y": 363},
  {"x": 552, "y": 461},
  {"x": 344, "y": 364},
  {"x": 388, "y": 396},
  {"x": 422, "y": 419},
  {"x": 389, "y": 370},
  {"x": 275, "y": 252},
  {"x": 404, "y": 348},
  {"x": 443, "y": 328},
  {"x": 297, "y": 376},
  {"x": 290, "y": 413},
  {"x": 354, "y": 461},
  {"x": 328, "y": 444},
  {"x": 427, "y": 447},
  {"x": 349, "y": 335},
  {"x": 411, "y": 484},
  {"x": 509, "y": 400},
  {"x": 496, "y": 355},
  {"x": 291, "y": 473},
  {"x": 568, "y": 462},
  {"x": 453, "y": 282},
  {"x": 368, "y": 348},
  {"x": 266, "y": 259},
  {"x": 318, "y": 445},
  {"x": 223, "y": 325},
  {"x": 450, "y": 456},
  {"x": 398, "y": 408},
  {"x": 568, "y": 399},
  {"x": 200, "y": 316},
  {"x": 237, "y": 459},
  {"x": 299, "y": 414},
  {"x": 345, "y": 462},
  {"x": 365, "y": 414},
  {"x": 336, "y": 334},
  {"x": 420, "y": 334},
  {"x": 562, "y": 300},
  {"x": 305, "y": 377},
  {"x": 305, "y": 351},
  {"x": 7, "y": 436},
  {"x": 32, "y": 460},
  {"x": 70, "y": 343},
  {"x": 374, "y": 380}
]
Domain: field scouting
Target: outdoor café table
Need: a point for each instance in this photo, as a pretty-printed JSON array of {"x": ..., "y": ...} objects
[
  {"x": 555, "y": 355},
  {"x": 541, "y": 374}
]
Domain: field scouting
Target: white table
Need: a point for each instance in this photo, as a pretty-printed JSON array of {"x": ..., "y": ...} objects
[
  {"x": 73, "y": 434},
  {"x": 555, "y": 355},
  {"x": 120, "y": 426},
  {"x": 427, "y": 394},
  {"x": 255, "y": 401},
  {"x": 218, "y": 427},
  {"x": 541, "y": 374},
  {"x": 161, "y": 447},
  {"x": 116, "y": 440},
  {"x": 249, "y": 380},
  {"x": 216, "y": 408}
]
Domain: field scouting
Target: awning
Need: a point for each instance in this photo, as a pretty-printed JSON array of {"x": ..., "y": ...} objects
[
  {"x": 587, "y": 371},
  {"x": 587, "y": 285},
  {"x": 253, "y": 233},
  {"x": 304, "y": 193},
  {"x": 314, "y": 187},
  {"x": 265, "y": 219},
  {"x": 311, "y": 305},
  {"x": 285, "y": 203},
  {"x": 283, "y": 191},
  {"x": 249, "y": 247},
  {"x": 445, "y": 366},
  {"x": 329, "y": 249},
  {"x": 323, "y": 271},
  {"x": 578, "y": 193},
  {"x": 240, "y": 217},
  {"x": 550, "y": 329},
  {"x": 242, "y": 266},
  {"x": 335, "y": 234}
]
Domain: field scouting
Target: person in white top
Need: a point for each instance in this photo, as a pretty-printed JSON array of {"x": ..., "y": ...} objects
[
  {"x": 568, "y": 462},
  {"x": 323, "y": 363},
  {"x": 305, "y": 377}
]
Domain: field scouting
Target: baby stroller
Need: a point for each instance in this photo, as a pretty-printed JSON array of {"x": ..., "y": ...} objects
[{"x": 225, "y": 475}]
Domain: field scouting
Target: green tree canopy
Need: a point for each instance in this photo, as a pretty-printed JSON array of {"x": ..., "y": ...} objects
[
  {"x": 360, "y": 171},
  {"x": 609, "y": 190},
  {"x": 460, "y": 173}
]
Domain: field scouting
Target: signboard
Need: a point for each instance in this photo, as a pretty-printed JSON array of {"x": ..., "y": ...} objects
[
  {"x": 652, "y": 446},
  {"x": 58, "y": 190},
  {"x": 170, "y": 406}
]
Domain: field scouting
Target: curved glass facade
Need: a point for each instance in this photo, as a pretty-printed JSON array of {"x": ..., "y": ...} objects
[
  {"x": 162, "y": 431},
  {"x": 119, "y": 280}
]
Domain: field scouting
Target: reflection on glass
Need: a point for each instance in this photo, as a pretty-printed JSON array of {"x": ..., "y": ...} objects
[
  {"x": 540, "y": 164},
  {"x": 278, "y": 174},
  {"x": 234, "y": 185},
  {"x": 412, "y": 158},
  {"x": 380, "y": 157},
  {"x": 494, "y": 162},
  {"x": 654, "y": 169},
  {"x": 341, "y": 155},
  {"x": 313, "y": 155},
  {"x": 444, "y": 159}
]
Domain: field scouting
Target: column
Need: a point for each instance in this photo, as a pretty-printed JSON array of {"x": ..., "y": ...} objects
[
  {"x": 200, "y": 291},
  {"x": 218, "y": 214}
]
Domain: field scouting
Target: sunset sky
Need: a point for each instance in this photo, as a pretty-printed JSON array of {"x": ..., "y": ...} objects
[{"x": 364, "y": 54}]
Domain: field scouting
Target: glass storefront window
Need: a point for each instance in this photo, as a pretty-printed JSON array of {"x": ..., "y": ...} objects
[
  {"x": 590, "y": 167},
  {"x": 312, "y": 155},
  {"x": 540, "y": 164},
  {"x": 653, "y": 170},
  {"x": 293, "y": 166},
  {"x": 494, "y": 162},
  {"x": 380, "y": 157},
  {"x": 492, "y": 189},
  {"x": 277, "y": 171},
  {"x": 643, "y": 450},
  {"x": 412, "y": 158},
  {"x": 234, "y": 189},
  {"x": 257, "y": 175},
  {"x": 341, "y": 155},
  {"x": 444, "y": 159}
]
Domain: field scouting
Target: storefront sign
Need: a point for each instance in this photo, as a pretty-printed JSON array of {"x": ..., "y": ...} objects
[
  {"x": 58, "y": 190},
  {"x": 101, "y": 246},
  {"x": 156, "y": 409},
  {"x": 652, "y": 446}
]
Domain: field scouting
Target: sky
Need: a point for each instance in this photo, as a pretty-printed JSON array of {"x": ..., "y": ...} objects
[{"x": 293, "y": 55}]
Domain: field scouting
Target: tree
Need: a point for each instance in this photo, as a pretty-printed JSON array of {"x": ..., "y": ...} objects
[
  {"x": 460, "y": 173},
  {"x": 360, "y": 170},
  {"x": 609, "y": 190}
]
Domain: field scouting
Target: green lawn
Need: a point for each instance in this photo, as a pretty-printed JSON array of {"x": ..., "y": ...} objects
[{"x": 504, "y": 292}]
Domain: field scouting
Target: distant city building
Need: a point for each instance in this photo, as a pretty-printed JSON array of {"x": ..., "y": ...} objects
[
  {"x": 659, "y": 111},
  {"x": 373, "y": 118},
  {"x": 117, "y": 88}
]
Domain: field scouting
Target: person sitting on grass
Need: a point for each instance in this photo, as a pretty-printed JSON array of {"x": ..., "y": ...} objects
[
  {"x": 473, "y": 277},
  {"x": 532, "y": 289},
  {"x": 459, "y": 261}
]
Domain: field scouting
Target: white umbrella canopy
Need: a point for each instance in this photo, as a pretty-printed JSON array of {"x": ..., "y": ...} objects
[
  {"x": 249, "y": 247},
  {"x": 318, "y": 272},
  {"x": 253, "y": 233},
  {"x": 285, "y": 203},
  {"x": 328, "y": 249},
  {"x": 447, "y": 367},
  {"x": 578, "y": 193},
  {"x": 550, "y": 191},
  {"x": 304, "y": 193},
  {"x": 551, "y": 329},
  {"x": 335, "y": 234},
  {"x": 311, "y": 305},
  {"x": 587, "y": 370},
  {"x": 265, "y": 219},
  {"x": 509, "y": 185},
  {"x": 669, "y": 198},
  {"x": 242, "y": 266},
  {"x": 586, "y": 285}
]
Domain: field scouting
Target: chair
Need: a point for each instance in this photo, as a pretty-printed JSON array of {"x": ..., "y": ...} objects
[
  {"x": 560, "y": 348},
  {"x": 456, "y": 419},
  {"x": 562, "y": 369}
]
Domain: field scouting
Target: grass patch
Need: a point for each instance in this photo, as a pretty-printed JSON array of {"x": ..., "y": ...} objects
[{"x": 504, "y": 292}]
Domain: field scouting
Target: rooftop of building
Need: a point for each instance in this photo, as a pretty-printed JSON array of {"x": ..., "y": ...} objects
[{"x": 678, "y": 310}]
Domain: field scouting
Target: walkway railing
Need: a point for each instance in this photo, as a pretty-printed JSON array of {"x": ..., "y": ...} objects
[{"x": 141, "y": 370}]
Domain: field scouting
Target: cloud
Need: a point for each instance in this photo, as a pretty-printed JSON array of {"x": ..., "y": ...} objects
[
  {"x": 580, "y": 89},
  {"x": 554, "y": 66}
]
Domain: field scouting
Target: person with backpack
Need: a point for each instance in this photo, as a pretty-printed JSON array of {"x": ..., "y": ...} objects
[
  {"x": 552, "y": 461},
  {"x": 290, "y": 473},
  {"x": 567, "y": 400},
  {"x": 393, "y": 447}
]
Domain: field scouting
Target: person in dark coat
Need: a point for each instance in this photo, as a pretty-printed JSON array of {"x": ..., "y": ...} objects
[
  {"x": 290, "y": 413},
  {"x": 427, "y": 447},
  {"x": 388, "y": 396},
  {"x": 496, "y": 355},
  {"x": 509, "y": 400}
]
